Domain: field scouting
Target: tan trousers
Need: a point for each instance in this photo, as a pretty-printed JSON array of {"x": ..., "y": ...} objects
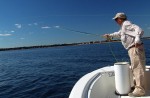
[{"x": 137, "y": 58}]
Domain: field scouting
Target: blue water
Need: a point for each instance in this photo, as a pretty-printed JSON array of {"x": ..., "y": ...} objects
[{"x": 52, "y": 72}]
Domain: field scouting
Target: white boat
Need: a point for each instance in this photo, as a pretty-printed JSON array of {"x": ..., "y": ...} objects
[{"x": 101, "y": 84}]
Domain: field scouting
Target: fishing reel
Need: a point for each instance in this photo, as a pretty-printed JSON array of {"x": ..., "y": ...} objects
[{"x": 109, "y": 38}]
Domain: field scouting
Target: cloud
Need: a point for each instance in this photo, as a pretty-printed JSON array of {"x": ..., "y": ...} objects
[
  {"x": 29, "y": 24},
  {"x": 22, "y": 38},
  {"x": 12, "y": 31},
  {"x": 18, "y": 26},
  {"x": 56, "y": 26},
  {"x": 5, "y": 34},
  {"x": 45, "y": 27},
  {"x": 35, "y": 24}
]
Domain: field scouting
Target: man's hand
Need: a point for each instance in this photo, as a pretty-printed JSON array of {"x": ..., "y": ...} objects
[{"x": 106, "y": 36}]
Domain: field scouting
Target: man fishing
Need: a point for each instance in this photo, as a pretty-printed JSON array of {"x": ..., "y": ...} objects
[{"x": 130, "y": 35}]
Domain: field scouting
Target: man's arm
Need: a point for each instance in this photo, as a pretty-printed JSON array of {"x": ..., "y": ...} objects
[{"x": 115, "y": 34}]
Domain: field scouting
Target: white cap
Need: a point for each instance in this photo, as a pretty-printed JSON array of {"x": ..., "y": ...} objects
[{"x": 120, "y": 15}]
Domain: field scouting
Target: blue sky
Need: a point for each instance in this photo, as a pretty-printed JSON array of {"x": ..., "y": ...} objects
[{"x": 34, "y": 22}]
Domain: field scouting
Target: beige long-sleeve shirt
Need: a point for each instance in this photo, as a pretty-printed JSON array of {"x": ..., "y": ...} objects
[{"x": 129, "y": 34}]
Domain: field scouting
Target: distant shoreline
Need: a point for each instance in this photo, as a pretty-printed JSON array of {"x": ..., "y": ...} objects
[
  {"x": 55, "y": 45},
  {"x": 60, "y": 45}
]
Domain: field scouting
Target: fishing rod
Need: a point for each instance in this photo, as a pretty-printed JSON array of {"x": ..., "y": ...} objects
[
  {"x": 72, "y": 30},
  {"x": 108, "y": 39}
]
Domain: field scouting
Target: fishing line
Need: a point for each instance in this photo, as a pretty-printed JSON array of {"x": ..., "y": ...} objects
[
  {"x": 112, "y": 52},
  {"x": 107, "y": 39}
]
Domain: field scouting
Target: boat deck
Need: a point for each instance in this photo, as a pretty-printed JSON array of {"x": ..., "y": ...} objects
[{"x": 101, "y": 84}]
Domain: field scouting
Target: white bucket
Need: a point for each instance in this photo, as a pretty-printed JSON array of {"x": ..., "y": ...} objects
[{"x": 122, "y": 77}]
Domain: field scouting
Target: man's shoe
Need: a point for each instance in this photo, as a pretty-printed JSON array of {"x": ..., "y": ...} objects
[
  {"x": 138, "y": 92},
  {"x": 136, "y": 95}
]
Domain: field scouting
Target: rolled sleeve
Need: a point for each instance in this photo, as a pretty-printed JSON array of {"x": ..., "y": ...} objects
[
  {"x": 115, "y": 34},
  {"x": 137, "y": 39}
]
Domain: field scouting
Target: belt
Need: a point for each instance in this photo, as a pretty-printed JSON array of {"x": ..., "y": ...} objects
[{"x": 136, "y": 45}]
